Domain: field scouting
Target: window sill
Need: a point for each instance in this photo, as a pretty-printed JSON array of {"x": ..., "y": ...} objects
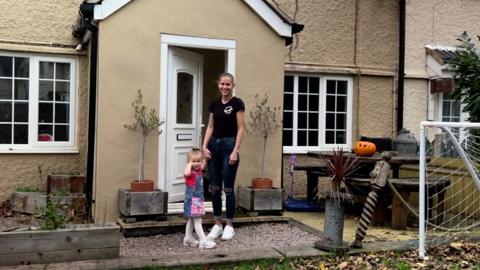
[{"x": 40, "y": 151}]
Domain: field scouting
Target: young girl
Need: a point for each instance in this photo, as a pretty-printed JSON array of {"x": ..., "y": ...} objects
[{"x": 193, "y": 207}]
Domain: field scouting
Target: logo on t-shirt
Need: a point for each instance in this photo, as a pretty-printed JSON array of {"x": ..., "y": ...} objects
[{"x": 228, "y": 110}]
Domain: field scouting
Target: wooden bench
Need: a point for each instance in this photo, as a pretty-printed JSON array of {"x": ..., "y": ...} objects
[
  {"x": 405, "y": 186},
  {"x": 313, "y": 172}
]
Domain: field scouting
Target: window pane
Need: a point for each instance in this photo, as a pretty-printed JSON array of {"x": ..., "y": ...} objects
[
  {"x": 313, "y": 138},
  {"x": 302, "y": 102},
  {"x": 288, "y": 101},
  {"x": 5, "y": 133},
  {"x": 330, "y": 121},
  {"x": 5, "y": 111},
  {"x": 22, "y": 67},
  {"x": 45, "y": 133},
  {"x": 287, "y": 120},
  {"x": 456, "y": 108},
  {"x": 62, "y": 113},
  {"x": 20, "y": 112},
  {"x": 45, "y": 90},
  {"x": 5, "y": 89},
  {"x": 302, "y": 138},
  {"x": 46, "y": 70},
  {"x": 303, "y": 84},
  {"x": 21, "y": 89},
  {"x": 302, "y": 120},
  {"x": 341, "y": 121},
  {"x": 287, "y": 138},
  {"x": 330, "y": 103},
  {"x": 45, "y": 112},
  {"x": 62, "y": 91},
  {"x": 329, "y": 137},
  {"x": 313, "y": 85},
  {"x": 341, "y": 137},
  {"x": 313, "y": 103},
  {"x": 341, "y": 87},
  {"x": 331, "y": 87},
  {"x": 313, "y": 120},
  {"x": 5, "y": 66},
  {"x": 20, "y": 134},
  {"x": 62, "y": 71},
  {"x": 61, "y": 133},
  {"x": 341, "y": 103},
  {"x": 445, "y": 108},
  {"x": 184, "y": 98},
  {"x": 288, "y": 84}
]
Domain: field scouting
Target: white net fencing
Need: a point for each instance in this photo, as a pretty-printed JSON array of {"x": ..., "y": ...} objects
[{"x": 449, "y": 199}]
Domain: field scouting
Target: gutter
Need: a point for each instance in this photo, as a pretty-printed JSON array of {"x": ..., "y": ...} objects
[
  {"x": 401, "y": 65},
  {"x": 88, "y": 32}
]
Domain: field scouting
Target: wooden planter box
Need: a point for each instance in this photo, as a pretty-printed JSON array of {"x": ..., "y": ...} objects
[
  {"x": 29, "y": 202},
  {"x": 260, "y": 199},
  {"x": 131, "y": 204},
  {"x": 87, "y": 242}
]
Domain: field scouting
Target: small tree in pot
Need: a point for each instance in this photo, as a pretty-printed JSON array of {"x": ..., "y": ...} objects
[
  {"x": 146, "y": 123},
  {"x": 264, "y": 121}
]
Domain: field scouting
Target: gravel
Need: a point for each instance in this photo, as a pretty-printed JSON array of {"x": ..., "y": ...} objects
[{"x": 265, "y": 235}]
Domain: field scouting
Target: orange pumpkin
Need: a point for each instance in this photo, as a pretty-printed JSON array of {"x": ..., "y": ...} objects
[{"x": 362, "y": 148}]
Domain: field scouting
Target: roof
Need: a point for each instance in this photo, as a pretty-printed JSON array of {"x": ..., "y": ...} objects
[
  {"x": 266, "y": 9},
  {"x": 442, "y": 54}
]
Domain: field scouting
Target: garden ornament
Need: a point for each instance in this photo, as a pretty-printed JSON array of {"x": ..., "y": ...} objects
[{"x": 378, "y": 180}]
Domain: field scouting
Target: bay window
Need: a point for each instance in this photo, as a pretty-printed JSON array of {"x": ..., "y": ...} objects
[{"x": 37, "y": 103}]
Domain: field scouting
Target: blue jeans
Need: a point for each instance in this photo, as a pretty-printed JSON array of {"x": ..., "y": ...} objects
[{"x": 222, "y": 173}]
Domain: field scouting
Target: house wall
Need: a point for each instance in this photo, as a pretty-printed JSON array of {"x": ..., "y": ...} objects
[
  {"x": 350, "y": 37},
  {"x": 431, "y": 22},
  {"x": 129, "y": 50},
  {"x": 32, "y": 27}
]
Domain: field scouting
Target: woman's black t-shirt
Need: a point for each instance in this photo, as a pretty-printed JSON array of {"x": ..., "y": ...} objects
[{"x": 225, "y": 116}]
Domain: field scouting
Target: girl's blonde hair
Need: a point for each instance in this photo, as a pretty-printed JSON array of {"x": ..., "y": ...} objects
[
  {"x": 226, "y": 74},
  {"x": 194, "y": 151}
]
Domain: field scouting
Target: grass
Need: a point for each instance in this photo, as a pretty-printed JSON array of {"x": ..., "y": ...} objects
[{"x": 27, "y": 189}]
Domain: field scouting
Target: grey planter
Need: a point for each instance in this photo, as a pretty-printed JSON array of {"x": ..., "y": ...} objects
[
  {"x": 133, "y": 204},
  {"x": 87, "y": 242},
  {"x": 29, "y": 202},
  {"x": 260, "y": 199}
]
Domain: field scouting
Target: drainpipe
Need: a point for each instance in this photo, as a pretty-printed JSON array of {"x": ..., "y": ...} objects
[
  {"x": 401, "y": 64},
  {"x": 89, "y": 33}
]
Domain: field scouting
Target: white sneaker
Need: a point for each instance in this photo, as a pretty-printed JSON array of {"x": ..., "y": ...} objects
[
  {"x": 207, "y": 244},
  {"x": 190, "y": 241},
  {"x": 228, "y": 233},
  {"x": 215, "y": 232}
]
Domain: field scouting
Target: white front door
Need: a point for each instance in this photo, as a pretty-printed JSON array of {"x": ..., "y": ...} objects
[{"x": 184, "y": 117}]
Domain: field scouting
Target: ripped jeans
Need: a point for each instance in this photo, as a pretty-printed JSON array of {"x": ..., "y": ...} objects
[{"x": 222, "y": 173}]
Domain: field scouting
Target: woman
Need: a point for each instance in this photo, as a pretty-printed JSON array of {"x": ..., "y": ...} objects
[{"x": 223, "y": 137}]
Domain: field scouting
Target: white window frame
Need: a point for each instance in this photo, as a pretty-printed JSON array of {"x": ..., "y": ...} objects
[
  {"x": 35, "y": 146},
  {"x": 322, "y": 146}
]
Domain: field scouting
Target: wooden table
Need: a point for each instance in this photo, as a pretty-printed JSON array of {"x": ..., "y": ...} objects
[{"x": 404, "y": 186}]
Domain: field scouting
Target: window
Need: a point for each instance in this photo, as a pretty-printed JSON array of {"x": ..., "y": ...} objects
[
  {"x": 317, "y": 113},
  {"x": 37, "y": 104}
]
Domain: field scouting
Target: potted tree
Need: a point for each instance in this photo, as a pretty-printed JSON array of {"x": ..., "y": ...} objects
[
  {"x": 142, "y": 200},
  {"x": 263, "y": 122},
  {"x": 260, "y": 196},
  {"x": 146, "y": 123}
]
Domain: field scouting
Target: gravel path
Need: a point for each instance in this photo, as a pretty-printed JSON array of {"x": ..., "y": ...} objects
[{"x": 253, "y": 236}]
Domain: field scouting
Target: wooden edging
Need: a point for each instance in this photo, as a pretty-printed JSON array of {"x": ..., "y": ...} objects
[{"x": 220, "y": 257}]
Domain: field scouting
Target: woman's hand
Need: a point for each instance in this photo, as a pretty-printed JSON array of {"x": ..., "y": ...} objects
[
  {"x": 206, "y": 152},
  {"x": 233, "y": 158}
]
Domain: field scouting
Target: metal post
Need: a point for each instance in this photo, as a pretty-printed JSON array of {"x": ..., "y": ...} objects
[{"x": 421, "y": 227}]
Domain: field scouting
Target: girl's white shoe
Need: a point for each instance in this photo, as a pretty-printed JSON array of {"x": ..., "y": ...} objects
[
  {"x": 190, "y": 241},
  {"x": 207, "y": 244}
]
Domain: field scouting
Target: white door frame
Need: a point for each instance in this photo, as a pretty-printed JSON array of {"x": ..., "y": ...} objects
[{"x": 168, "y": 40}]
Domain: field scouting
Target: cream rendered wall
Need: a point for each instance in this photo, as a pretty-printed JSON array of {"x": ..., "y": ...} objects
[
  {"x": 43, "y": 27},
  {"x": 353, "y": 37},
  {"x": 431, "y": 22},
  {"x": 129, "y": 50}
]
